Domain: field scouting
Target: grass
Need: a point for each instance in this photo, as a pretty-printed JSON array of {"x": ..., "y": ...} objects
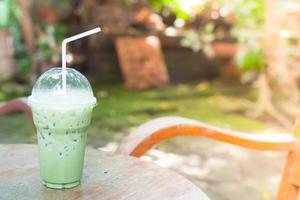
[{"x": 119, "y": 110}]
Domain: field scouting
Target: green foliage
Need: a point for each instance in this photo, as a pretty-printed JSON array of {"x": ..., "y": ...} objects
[
  {"x": 251, "y": 59},
  {"x": 248, "y": 23},
  {"x": 200, "y": 39},
  {"x": 24, "y": 64},
  {"x": 119, "y": 110},
  {"x": 10, "y": 90},
  {"x": 249, "y": 14},
  {"x": 248, "y": 20},
  {"x": 129, "y": 2},
  {"x": 9, "y": 19},
  {"x": 160, "y": 5},
  {"x": 48, "y": 43},
  {"x": 60, "y": 33},
  {"x": 23, "y": 61},
  {"x": 202, "y": 101},
  {"x": 5, "y": 10},
  {"x": 173, "y": 4}
]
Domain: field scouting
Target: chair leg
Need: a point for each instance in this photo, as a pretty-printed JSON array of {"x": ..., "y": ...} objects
[{"x": 287, "y": 189}]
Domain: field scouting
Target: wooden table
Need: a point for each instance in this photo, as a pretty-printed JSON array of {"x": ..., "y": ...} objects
[{"x": 106, "y": 176}]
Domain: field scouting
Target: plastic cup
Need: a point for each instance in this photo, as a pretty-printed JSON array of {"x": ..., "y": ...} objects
[{"x": 61, "y": 118}]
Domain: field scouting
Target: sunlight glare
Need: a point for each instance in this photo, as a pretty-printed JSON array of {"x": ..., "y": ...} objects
[
  {"x": 151, "y": 40},
  {"x": 188, "y": 6}
]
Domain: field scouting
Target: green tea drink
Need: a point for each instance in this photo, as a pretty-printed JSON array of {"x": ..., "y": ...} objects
[
  {"x": 61, "y": 138},
  {"x": 61, "y": 120}
]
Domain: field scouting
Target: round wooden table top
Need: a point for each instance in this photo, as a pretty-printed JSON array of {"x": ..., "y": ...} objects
[{"x": 106, "y": 176}]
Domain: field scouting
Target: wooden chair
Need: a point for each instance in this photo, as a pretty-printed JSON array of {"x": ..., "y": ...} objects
[
  {"x": 157, "y": 130},
  {"x": 16, "y": 105}
]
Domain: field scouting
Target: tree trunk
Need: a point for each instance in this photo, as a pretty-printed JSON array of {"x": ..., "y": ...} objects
[
  {"x": 277, "y": 83},
  {"x": 7, "y": 62}
]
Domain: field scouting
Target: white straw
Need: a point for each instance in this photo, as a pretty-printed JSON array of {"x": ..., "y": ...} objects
[{"x": 64, "y": 52}]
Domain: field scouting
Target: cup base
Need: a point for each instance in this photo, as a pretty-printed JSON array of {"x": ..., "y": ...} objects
[{"x": 60, "y": 185}]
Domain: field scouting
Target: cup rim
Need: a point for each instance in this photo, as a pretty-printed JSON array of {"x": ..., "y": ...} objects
[{"x": 32, "y": 100}]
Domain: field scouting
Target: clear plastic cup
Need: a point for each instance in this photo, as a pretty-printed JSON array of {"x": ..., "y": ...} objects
[{"x": 61, "y": 119}]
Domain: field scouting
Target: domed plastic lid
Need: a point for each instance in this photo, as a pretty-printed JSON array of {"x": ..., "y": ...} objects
[{"x": 48, "y": 89}]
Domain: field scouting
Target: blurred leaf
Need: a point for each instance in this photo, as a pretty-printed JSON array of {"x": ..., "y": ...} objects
[
  {"x": 24, "y": 65},
  {"x": 209, "y": 27},
  {"x": 200, "y": 39},
  {"x": 60, "y": 33},
  {"x": 251, "y": 60},
  {"x": 164, "y": 105},
  {"x": 202, "y": 87},
  {"x": 130, "y": 2},
  {"x": 2, "y": 96},
  {"x": 41, "y": 42},
  {"x": 5, "y": 10},
  {"x": 173, "y": 4}
]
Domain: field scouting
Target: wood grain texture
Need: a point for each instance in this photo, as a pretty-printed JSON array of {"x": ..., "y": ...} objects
[
  {"x": 288, "y": 190},
  {"x": 142, "y": 62},
  {"x": 106, "y": 177},
  {"x": 157, "y": 130}
]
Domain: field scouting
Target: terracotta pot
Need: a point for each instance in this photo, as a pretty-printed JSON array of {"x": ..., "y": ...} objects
[{"x": 225, "y": 49}]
